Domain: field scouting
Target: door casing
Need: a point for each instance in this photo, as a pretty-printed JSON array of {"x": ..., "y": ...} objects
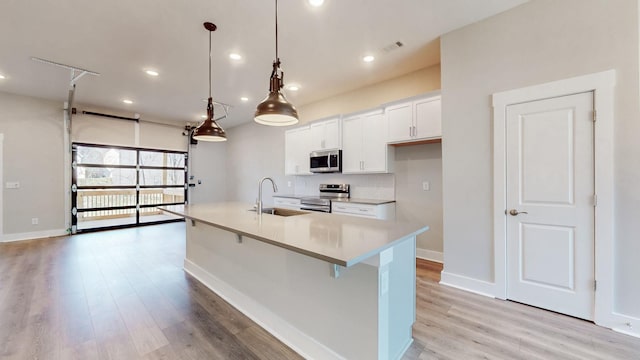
[{"x": 602, "y": 84}]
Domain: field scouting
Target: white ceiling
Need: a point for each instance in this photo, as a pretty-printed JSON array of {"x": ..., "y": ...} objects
[{"x": 320, "y": 48}]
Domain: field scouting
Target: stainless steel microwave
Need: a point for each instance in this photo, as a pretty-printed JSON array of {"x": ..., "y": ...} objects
[{"x": 325, "y": 161}]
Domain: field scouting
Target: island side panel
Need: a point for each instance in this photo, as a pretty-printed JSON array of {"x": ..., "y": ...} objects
[
  {"x": 400, "y": 299},
  {"x": 291, "y": 295}
]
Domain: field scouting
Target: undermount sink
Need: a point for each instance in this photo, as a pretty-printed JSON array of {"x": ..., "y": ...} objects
[{"x": 281, "y": 211}]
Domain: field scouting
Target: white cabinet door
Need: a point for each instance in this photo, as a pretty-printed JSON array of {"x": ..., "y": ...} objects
[
  {"x": 332, "y": 134},
  {"x": 400, "y": 119},
  {"x": 352, "y": 145},
  {"x": 317, "y": 136},
  {"x": 288, "y": 203},
  {"x": 414, "y": 120},
  {"x": 374, "y": 144},
  {"x": 297, "y": 148},
  {"x": 325, "y": 135},
  {"x": 428, "y": 121},
  {"x": 364, "y": 143}
]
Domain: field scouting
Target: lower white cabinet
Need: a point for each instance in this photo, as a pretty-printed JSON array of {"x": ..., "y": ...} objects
[
  {"x": 385, "y": 211},
  {"x": 288, "y": 203}
]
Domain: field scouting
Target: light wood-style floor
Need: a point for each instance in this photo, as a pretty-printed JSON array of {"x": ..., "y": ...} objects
[{"x": 123, "y": 295}]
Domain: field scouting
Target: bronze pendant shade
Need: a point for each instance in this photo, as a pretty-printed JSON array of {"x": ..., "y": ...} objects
[
  {"x": 209, "y": 130},
  {"x": 275, "y": 110}
]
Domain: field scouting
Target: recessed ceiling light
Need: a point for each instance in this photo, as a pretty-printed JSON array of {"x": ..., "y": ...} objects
[
  {"x": 244, "y": 98},
  {"x": 127, "y": 101},
  {"x": 2, "y": 76},
  {"x": 152, "y": 72},
  {"x": 316, "y": 3},
  {"x": 234, "y": 56},
  {"x": 293, "y": 87},
  {"x": 368, "y": 58}
]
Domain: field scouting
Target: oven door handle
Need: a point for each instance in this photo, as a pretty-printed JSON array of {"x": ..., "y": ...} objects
[{"x": 315, "y": 209}]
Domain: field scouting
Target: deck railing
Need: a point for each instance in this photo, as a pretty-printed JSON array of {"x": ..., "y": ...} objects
[{"x": 111, "y": 198}]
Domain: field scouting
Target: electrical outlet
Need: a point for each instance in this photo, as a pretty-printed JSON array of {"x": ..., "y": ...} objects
[
  {"x": 34, "y": 221},
  {"x": 384, "y": 283},
  {"x": 426, "y": 186},
  {"x": 288, "y": 183}
]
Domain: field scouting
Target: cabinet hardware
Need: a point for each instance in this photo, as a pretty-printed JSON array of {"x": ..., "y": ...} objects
[{"x": 410, "y": 131}]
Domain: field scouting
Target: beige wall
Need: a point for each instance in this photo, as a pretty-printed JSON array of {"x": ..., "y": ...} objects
[
  {"x": 415, "y": 165},
  {"x": 415, "y": 83},
  {"x": 255, "y": 151},
  {"x": 37, "y": 161},
  {"x": 33, "y": 156},
  {"x": 208, "y": 165},
  {"x": 538, "y": 42}
]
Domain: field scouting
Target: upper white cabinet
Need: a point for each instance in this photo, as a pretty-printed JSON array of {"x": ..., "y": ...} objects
[
  {"x": 296, "y": 151},
  {"x": 325, "y": 134},
  {"x": 364, "y": 140},
  {"x": 419, "y": 119}
]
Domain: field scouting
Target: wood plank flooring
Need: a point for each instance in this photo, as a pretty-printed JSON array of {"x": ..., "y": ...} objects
[{"x": 123, "y": 295}]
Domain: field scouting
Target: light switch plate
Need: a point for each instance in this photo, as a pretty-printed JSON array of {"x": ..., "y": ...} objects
[
  {"x": 426, "y": 186},
  {"x": 12, "y": 185}
]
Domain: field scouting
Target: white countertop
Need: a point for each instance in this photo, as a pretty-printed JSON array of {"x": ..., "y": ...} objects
[{"x": 341, "y": 240}]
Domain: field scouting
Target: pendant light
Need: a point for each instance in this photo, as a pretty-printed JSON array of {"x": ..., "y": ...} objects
[
  {"x": 275, "y": 110},
  {"x": 209, "y": 130}
]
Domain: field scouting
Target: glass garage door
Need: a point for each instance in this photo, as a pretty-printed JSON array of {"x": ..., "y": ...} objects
[{"x": 115, "y": 187}]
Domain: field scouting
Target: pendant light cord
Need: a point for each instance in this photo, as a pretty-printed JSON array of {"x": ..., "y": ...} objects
[
  {"x": 210, "y": 63},
  {"x": 277, "y": 58}
]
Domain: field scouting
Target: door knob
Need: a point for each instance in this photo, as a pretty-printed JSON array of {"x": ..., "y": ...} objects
[{"x": 514, "y": 212}]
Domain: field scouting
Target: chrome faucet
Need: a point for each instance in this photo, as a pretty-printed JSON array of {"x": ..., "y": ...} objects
[{"x": 259, "y": 201}]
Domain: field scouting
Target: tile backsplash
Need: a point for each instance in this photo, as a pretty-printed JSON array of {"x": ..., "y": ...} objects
[{"x": 370, "y": 186}]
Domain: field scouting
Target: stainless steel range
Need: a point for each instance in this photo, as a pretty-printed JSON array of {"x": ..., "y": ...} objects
[{"x": 328, "y": 192}]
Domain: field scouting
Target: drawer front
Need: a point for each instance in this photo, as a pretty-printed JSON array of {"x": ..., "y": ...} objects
[
  {"x": 355, "y": 209},
  {"x": 286, "y": 202}
]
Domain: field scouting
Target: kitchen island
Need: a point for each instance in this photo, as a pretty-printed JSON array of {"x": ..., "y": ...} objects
[{"x": 329, "y": 286}]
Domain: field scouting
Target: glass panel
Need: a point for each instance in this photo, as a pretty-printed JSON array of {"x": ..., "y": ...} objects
[
  {"x": 105, "y": 198},
  {"x": 104, "y": 156},
  {"x": 161, "y": 177},
  {"x": 91, "y": 176},
  {"x": 153, "y": 214},
  {"x": 105, "y": 218},
  {"x": 153, "y": 158},
  {"x": 161, "y": 196}
]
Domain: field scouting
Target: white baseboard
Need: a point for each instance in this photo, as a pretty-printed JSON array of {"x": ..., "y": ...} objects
[
  {"x": 300, "y": 342},
  {"x": 627, "y": 325},
  {"x": 476, "y": 286},
  {"x": 34, "y": 235},
  {"x": 430, "y": 255}
]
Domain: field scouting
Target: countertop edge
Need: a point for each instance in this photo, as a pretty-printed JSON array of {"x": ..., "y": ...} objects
[
  {"x": 343, "y": 263},
  {"x": 268, "y": 241}
]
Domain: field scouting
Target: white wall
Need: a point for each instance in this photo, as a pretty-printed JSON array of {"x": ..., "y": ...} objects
[
  {"x": 33, "y": 156},
  {"x": 537, "y": 42}
]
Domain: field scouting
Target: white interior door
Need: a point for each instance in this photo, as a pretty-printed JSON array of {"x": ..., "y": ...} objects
[{"x": 550, "y": 199}]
